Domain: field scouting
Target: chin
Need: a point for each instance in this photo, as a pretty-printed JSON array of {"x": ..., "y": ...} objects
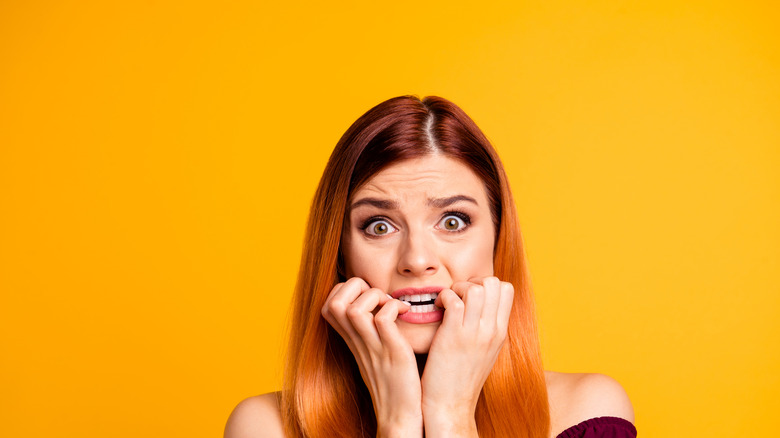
[
  {"x": 419, "y": 336},
  {"x": 422, "y": 348}
]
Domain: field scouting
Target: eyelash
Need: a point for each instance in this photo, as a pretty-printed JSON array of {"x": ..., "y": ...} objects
[
  {"x": 462, "y": 216},
  {"x": 370, "y": 221},
  {"x": 459, "y": 214}
]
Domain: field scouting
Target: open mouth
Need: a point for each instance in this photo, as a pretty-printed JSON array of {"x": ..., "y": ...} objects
[
  {"x": 421, "y": 303},
  {"x": 421, "y": 299}
]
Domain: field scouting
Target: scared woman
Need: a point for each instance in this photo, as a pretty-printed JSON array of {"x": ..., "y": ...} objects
[{"x": 413, "y": 313}]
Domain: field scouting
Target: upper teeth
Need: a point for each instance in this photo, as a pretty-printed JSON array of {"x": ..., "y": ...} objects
[{"x": 419, "y": 297}]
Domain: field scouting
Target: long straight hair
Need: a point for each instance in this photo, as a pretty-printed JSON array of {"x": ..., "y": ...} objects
[{"x": 323, "y": 394}]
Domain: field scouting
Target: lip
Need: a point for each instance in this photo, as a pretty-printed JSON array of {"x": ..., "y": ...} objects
[{"x": 420, "y": 318}]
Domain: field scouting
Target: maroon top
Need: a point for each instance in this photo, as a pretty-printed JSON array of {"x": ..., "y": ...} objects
[{"x": 601, "y": 427}]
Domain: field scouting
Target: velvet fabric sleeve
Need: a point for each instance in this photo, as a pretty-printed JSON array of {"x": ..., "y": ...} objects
[{"x": 601, "y": 427}]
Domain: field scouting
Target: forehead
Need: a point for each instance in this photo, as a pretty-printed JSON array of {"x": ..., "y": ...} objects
[{"x": 430, "y": 176}]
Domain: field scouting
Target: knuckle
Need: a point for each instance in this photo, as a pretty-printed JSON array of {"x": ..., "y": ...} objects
[
  {"x": 353, "y": 312},
  {"x": 492, "y": 282},
  {"x": 336, "y": 307},
  {"x": 387, "y": 314},
  {"x": 336, "y": 288},
  {"x": 486, "y": 337},
  {"x": 381, "y": 319},
  {"x": 375, "y": 291},
  {"x": 356, "y": 282}
]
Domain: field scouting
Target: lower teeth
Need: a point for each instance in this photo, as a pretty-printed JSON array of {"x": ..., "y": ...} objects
[{"x": 423, "y": 309}]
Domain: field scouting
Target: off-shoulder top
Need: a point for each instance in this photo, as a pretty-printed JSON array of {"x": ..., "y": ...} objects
[{"x": 601, "y": 427}]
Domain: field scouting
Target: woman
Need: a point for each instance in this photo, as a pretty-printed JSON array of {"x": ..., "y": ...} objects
[{"x": 413, "y": 311}]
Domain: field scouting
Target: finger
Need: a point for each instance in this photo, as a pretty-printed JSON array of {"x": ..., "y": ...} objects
[
  {"x": 403, "y": 307},
  {"x": 333, "y": 292},
  {"x": 344, "y": 294},
  {"x": 505, "y": 305},
  {"x": 460, "y": 288},
  {"x": 473, "y": 296},
  {"x": 361, "y": 316},
  {"x": 339, "y": 301},
  {"x": 329, "y": 310},
  {"x": 386, "y": 326},
  {"x": 453, "y": 308},
  {"x": 352, "y": 288},
  {"x": 492, "y": 287}
]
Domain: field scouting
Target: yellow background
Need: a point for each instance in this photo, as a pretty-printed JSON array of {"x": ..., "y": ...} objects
[{"x": 157, "y": 160}]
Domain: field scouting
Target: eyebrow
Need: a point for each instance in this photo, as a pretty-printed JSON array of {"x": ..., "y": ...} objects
[
  {"x": 446, "y": 202},
  {"x": 378, "y": 203},
  {"x": 387, "y": 204}
]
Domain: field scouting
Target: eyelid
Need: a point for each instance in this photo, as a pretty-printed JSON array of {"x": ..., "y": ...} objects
[
  {"x": 374, "y": 219},
  {"x": 458, "y": 214}
]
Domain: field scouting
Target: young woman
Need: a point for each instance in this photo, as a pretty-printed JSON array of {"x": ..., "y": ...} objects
[{"x": 413, "y": 314}]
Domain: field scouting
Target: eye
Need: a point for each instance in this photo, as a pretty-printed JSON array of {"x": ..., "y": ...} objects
[
  {"x": 454, "y": 222},
  {"x": 378, "y": 227}
]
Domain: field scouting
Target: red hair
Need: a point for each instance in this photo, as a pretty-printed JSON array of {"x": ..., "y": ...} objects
[{"x": 324, "y": 394}]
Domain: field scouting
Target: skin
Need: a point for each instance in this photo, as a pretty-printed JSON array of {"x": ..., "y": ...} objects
[
  {"x": 419, "y": 243},
  {"x": 420, "y": 251},
  {"x": 414, "y": 240}
]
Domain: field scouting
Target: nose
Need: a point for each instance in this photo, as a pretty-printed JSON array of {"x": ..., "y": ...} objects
[{"x": 418, "y": 256}]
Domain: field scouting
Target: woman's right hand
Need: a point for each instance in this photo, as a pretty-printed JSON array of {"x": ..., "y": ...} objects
[{"x": 365, "y": 318}]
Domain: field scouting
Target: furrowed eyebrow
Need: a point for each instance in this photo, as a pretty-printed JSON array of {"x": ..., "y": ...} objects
[
  {"x": 374, "y": 202},
  {"x": 446, "y": 202}
]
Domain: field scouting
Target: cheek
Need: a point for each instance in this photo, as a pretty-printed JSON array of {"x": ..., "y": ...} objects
[
  {"x": 474, "y": 260},
  {"x": 468, "y": 265},
  {"x": 369, "y": 263}
]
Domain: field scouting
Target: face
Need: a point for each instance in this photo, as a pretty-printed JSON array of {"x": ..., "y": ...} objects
[{"x": 416, "y": 227}]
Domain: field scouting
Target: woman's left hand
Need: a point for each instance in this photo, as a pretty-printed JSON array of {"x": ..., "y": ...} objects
[{"x": 463, "y": 352}]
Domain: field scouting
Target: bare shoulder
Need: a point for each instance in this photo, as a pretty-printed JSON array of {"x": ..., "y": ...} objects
[
  {"x": 256, "y": 417},
  {"x": 576, "y": 397}
]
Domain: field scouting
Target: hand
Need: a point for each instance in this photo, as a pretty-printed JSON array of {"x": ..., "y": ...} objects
[
  {"x": 463, "y": 352},
  {"x": 386, "y": 360}
]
